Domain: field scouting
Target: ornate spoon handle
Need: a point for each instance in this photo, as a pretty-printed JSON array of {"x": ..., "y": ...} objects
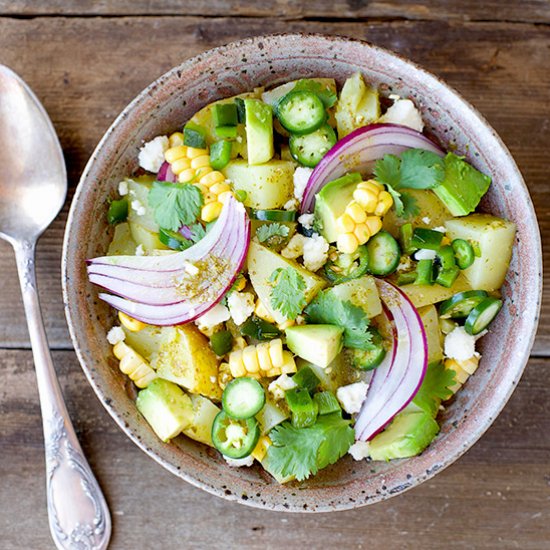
[{"x": 78, "y": 514}]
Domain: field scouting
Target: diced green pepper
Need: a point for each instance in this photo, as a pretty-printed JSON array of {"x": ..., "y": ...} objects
[
  {"x": 306, "y": 379},
  {"x": 405, "y": 236},
  {"x": 224, "y": 114},
  {"x": 226, "y": 132},
  {"x": 194, "y": 136},
  {"x": 446, "y": 256},
  {"x": 426, "y": 238},
  {"x": 221, "y": 342},
  {"x": 241, "y": 113},
  {"x": 446, "y": 277},
  {"x": 220, "y": 154},
  {"x": 303, "y": 409},
  {"x": 118, "y": 211},
  {"x": 424, "y": 273},
  {"x": 259, "y": 329},
  {"x": 326, "y": 402},
  {"x": 406, "y": 278},
  {"x": 173, "y": 239}
]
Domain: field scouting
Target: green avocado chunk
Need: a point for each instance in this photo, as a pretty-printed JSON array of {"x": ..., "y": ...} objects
[
  {"x": 319, "y": 344},
  {"x": 259, "y": 131},
  {"x": 463, "y": 186},
  {"x": 166, "y": 408},
  {"x": 408, "y": 435}
]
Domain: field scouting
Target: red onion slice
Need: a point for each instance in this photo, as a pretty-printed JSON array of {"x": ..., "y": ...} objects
[
  {"x": 359, "y": 150},
  {"x": 165, "y": 173},
  {"x": 147, "y": 286},
  {"x": 396, "y": 382}
]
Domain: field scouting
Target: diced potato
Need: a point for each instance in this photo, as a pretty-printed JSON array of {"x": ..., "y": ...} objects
[
  {"x": 432, "y": 212},
  {"x": 138, "y": 190},
  {"x": 204, "y": 412},
  {"x": 271, "y": 415},
  {"x": 147, "y": 341},
  {"x": 267, "y": 186},
  {"x": 262, "y": 262},
  {"x": 361, "y": 292},
  {"x": 430, "y": 320},
  {"x": 424, "y": 295},
  {"x": 357, "y": 106},
  {"x": 122, "y": 244},
  {"x": 188, "y": 361},
  {"x": 148, "y": 239},
  {"x": 495, "y": 239}
]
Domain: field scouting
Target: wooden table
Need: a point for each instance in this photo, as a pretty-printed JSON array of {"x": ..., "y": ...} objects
[{"x": 86, "y": 61}]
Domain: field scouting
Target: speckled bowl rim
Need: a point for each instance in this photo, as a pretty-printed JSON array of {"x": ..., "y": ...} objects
[{"x": 502, "y": 393}]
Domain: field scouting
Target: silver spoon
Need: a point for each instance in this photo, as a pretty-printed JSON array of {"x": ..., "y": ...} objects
[{"x": 33, "y": 185}]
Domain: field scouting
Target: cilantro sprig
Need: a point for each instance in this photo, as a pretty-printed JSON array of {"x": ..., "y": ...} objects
[
  {"x": 414, "y": 169},
  {"x": 435, "y": 388},
  {"x": 328, "y": 309},
  {"x": 272, "y": 234},
  {"x": 302, "y": 452},
  {"x": 175, "y": 204},
  {"x": 288, "y": 294}
]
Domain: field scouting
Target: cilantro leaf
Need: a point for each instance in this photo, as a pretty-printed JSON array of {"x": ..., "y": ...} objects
[
  {"x": 288, "y": 294},
  {"x": 175, "y": 204},
  {"x": 301, "y": 452},
  {"x": 387, "y": 171},
  {"x": 325, "y": 94},
  {"x": 397, "y": 201},
  {"x": 328, "y": 309},
  {"x": 273, "y": 233},
  {"x": 410, "y": 206},
  {"x": 435, "y": 388}
]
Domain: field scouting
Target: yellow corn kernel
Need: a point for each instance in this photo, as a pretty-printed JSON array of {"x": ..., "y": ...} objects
[
  {"x": 367, "y": 198},
  {"x": 345, "y": 224},
  {"x": 347, "y": 243},
  {"x": 180, "y": 165},
  {"x": 240, "y": 343},
  {"x": 211, "y": 211},
  {"x": 134, "y": 365},
  {"x": 261, "y": 312},
  {"x": 193, "y": 152},
  {"x": 276, "y": 352},
  {"x": 224, "y": 375},
  {"x": 469, "y": 365},
  {"x": 219, "y": 188},
  {"x": 175, "y": 153},
  {"x": 273, "y": 373},
  {"x": 374, "y": 224},
  {"x": 260, "y": 450},
  {"x": 355, "y": 212},
  {"x": 203, "y": 189},
  {"x": 445, "y": 241},
  {"x": 289, "y": 364},
  {"x": 212, "y": 177},
  {"x": 460, "y": 375},
  {"x": 250, "y": 360},
  {"x": 239, "y": 283},
  {"x": 121, "y": 349},
  {"x": 202, "y": 161},
  {"x": 385, "y": 202},
  {"x": 203, "y": 172},
  {"x": 371, "y": 185},
  {"x": 361, "y": 232},
  {"x": 133, "y": 325},
  {"x": 236, "y": 365},
  {"x": 186, "y": 176},
  {"x": 264, "y": 358},
  {"x": 224, "y": 197},
  {"x": 176, "y": 139}
]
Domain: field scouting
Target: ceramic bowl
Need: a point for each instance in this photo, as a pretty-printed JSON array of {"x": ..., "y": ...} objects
[{"x": 268, "y": 61}]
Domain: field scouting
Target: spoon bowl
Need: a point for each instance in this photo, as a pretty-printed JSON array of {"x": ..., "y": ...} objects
[{"x": 33, "y": 186}]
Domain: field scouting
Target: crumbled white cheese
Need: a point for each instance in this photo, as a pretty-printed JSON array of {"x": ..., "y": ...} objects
[
  {"x": 359, "y": 450},
  {"x": 241, "y": 306},
  {"x": 123, "y": 188},
  {"x": 295, "y": 247},
  {"x": 440, "y": 228},
  {"x": 291, "y": 204},
  {"x": 351, "y": 397},
  {"x": 301, "y": 177},
  {"x": 306, "y": 220},
  {"x": 404, "y": 112},
  {"x": 426, "y": 220},
  {"x": 151, "y": 155},
  {"x": 138, "y": 207},
  {"x": 315, "y": 252},
  {"x": 139, "y": 250},
  {"x": 115, "y": 335},
  {"x": 240, "y": 462},
  {"x": 281, "y": 385},
  {"x": 213, "y": 317},
  {"x": 405, "y": 264},
  {"x": 424, "y": 254},
  {"x": 190, "y": 268},
  {"x": 460, "y": 345}
]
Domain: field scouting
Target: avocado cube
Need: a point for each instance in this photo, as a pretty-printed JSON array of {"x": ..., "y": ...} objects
[
  {"x": 430, "y": 320},
  {"x": 166, "y": 408},
  {"x": 319, "y": 344},
  {"x": 408, "y": 435},
  {"x": 494, "y": 238},
  {"x": 204, "y": 412},
  {"x": 463, "y": 186},
  {"x": 259, "y": 131}
]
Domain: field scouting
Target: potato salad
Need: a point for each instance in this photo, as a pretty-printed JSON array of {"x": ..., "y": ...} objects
[{"x": 300, "y": 276}]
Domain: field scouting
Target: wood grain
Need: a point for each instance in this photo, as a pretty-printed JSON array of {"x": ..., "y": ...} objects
[
  {"x": 87, "y": 70},
  {"x": 495, "y": 496},
  {"x": 537, "y": 11}
]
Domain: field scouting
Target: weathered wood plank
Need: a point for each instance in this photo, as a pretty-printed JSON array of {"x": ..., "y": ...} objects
[
  {"x": 537, "y": 11},
  {"x": 87, "y": 70},
  {"x": 495, "y": 496}
]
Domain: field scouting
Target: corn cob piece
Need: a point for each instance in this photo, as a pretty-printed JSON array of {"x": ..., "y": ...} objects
[
  {"x": 267, "y": 359},
  {"x": 134, "y": 365}
]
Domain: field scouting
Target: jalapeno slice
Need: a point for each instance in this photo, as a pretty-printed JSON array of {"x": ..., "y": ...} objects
[
  {"x": 234, "y": 438},
  {"x": 348, "y": 266}
]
